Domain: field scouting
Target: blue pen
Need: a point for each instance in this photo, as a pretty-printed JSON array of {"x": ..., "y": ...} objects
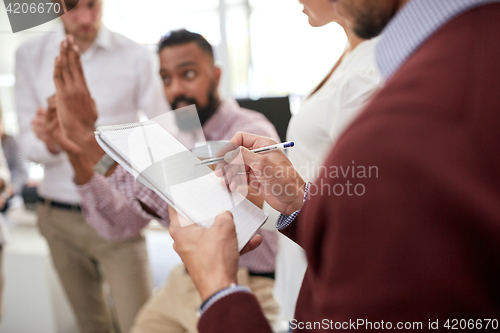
[{"x": 283, "y": 145}]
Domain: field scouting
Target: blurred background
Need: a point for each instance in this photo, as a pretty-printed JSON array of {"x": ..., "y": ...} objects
[{"x": 265, "y": 47}]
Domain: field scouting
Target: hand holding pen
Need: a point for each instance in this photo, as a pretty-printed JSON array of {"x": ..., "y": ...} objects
[
  {"x": 227, "y": 156},
  {"x": 271, "y": 174}
]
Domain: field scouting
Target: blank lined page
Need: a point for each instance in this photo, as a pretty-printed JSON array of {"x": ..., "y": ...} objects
[{"x": 155, "y": 155}]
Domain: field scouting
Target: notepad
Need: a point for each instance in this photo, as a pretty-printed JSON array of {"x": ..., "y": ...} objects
[{"x": 164, "y": 165}]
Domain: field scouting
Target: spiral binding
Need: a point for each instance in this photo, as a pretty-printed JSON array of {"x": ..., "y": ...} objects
[{"x": 123, "y": 126}]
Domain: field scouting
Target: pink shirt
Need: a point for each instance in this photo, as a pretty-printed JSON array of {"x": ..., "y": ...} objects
[{"x": 112, "y": 204}]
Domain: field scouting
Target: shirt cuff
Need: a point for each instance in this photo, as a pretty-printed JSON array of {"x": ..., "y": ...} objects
[
  {"x": 219, "y": 295},
  {"x": 285, "y": 220}
]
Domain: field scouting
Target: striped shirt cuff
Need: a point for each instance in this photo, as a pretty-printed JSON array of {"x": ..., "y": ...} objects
[
  {"x": 285, "y": 220},
  {"x": 221, "y": 294}
]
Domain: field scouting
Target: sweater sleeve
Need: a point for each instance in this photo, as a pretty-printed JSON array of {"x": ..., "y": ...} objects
[{"x": 238, "y": 312}]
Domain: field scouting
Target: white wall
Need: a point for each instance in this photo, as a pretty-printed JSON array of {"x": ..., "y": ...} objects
[{"x": 9, "y": 42}]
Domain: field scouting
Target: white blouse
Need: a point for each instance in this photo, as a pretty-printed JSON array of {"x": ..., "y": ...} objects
[
  {"x": 320, "y": 121},
  {"x": 324, "y": 115}
]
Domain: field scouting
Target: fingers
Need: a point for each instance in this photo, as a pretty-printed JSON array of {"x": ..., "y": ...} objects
[
  {"x": 234, "y": 175},
  {"x": 226, "y": 148},
  {"x": 58, "y": 78},
  {"x": 78, "y": 60},
  {"x": 40, "y": 118},
  {"x": 173, "y": 217},
  {"x": 40, "y": 112},
  {"x": 237, "y": 167},
  {"x": 252, "y": 244},
  {"x": 67, "y": 67},
  {"x": 242, "y": 167},
  {"x": 251, "y": 141},
  {"x": 175, "y": 225},
  {"x": 230, "y": 156},
  {"x": 243, "y": 156},
  {"x": 177, "y": 220},
  {"x": 74, "y": 62},
  {"x": 224, "y": 219},
  {"x": 51, "y": 102},
  {"x": 63, "y": 57},
  {"x": 232, "y": 150},
  {"x": 51, "y": 125},
  {"x": 253, "y": 160},
  {"x": 51, "y": 115},
  {"x": 224, "y": 226},
  {"x": 240, "y": 173},
  {"x": 235, "y": 179},
  {"x": 233, "y": 164}
]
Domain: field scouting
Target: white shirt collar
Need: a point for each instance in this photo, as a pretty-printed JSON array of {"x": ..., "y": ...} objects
[{"x": 103, "y": 39}]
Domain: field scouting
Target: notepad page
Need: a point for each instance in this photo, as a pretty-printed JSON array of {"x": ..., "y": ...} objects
[
  {"x": 126, "y": 165},
  {"x": 168, "y": 168}
]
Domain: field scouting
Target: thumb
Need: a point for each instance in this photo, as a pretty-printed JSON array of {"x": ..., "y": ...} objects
[
  {"x": 173, "y": 217},
  {"x": 51, "y": 112},
  {"x": 224, "y": 226},
  {"x": 252, "y": 244},
  {"x": 246, "y": 157},
  {"x": 177, "y": 220},
  {"x": 40, "y": 111},
  {"x": 224, "y": 219}
]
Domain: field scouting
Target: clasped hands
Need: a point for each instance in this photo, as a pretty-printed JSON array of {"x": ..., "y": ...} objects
[
  {"x": 76, "y": 109},
  {"x": 211, "y": 254},
  {"x": 68, "y": 122}
]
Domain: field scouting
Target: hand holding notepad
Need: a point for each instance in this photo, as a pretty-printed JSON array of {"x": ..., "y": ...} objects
[
  {"x": 211, "y": 255},
  {"x": 165, "y": 166}
]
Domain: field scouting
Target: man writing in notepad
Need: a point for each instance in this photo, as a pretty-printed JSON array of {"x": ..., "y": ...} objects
[{"x": 118, "y": 208}]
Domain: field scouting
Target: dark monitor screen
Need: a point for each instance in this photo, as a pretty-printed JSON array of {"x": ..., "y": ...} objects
[{"x": 276, "y": 109}]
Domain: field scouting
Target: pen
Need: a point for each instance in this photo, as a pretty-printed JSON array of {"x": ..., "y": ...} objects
[{"x": 283, "y": 145}]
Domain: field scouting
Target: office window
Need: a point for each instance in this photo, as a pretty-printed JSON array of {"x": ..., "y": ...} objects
[
  {"x": 265, "y": 47},
  {"x": 289, "y": 55},
  {"x": 147, "y": 20}
]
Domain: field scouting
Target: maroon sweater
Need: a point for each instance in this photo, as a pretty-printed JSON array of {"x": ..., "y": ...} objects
[{"x": 423, "y": 242}]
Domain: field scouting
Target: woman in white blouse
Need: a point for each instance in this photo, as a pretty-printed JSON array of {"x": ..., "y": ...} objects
[{"x": 323, "y": 115}]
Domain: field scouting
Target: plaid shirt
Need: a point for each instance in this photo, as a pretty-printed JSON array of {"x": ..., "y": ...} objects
[{"x": 112, "y": 205}]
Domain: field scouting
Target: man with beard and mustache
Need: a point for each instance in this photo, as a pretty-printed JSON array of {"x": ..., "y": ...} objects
[
  {"x": 419, "y": 247},
  {"x": 119, "y": 209},
  {"x": 121, "y": 75}
]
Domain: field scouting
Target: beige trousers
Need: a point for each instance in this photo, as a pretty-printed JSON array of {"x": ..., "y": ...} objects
[
  {"x": 81, "y": 258},
  {"x": 172, "y": 309}
]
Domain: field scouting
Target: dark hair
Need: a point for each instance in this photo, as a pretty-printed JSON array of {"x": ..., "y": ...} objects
[{"x": 182, "y": 36}]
